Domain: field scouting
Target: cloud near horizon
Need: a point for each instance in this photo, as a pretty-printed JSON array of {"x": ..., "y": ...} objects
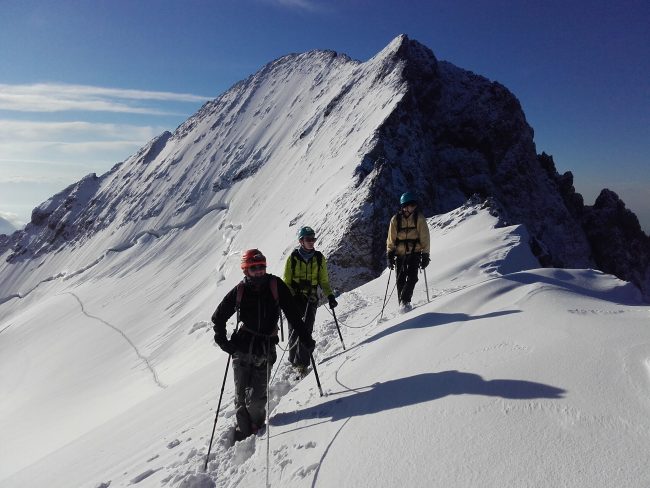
[
  {"x": 20, "y": 131},
  {"x": 58, "y": 97},
  {"x": 87, "y": 129},
  {"x": 24, "y": 144}
]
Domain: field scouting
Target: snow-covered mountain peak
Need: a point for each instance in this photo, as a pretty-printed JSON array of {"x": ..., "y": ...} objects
[
  {"x": 105, "y": 297},
  {"x": 344, "y": 139}
]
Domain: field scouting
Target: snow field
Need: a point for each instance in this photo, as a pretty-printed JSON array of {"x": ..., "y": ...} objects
[{"x": 528, "y": 378}]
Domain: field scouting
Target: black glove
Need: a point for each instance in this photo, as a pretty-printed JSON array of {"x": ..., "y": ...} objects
[
  {"x": 275, "y": 340},
  {"x": 225, "y": 345},
  {"x": 332, "y": 300},
  {"x": 390, "y": 259},
  {"x": 424, "y": 260}
]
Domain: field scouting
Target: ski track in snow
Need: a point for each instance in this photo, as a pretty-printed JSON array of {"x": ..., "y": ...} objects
[{"x": 142, "y": 357}]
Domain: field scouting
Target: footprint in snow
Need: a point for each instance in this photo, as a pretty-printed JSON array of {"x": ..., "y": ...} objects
[
  {"x": 142, "y": 476},
  {"x": 306, "y": 471},
  {"x": 309, "y": 445},
  {"x": 173, "y": 444}
]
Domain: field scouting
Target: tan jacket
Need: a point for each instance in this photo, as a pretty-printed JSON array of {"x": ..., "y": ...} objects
[{"x": 412, "y": 237}]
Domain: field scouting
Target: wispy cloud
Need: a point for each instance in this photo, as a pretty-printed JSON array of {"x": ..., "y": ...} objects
[
  {"x": 19, "y": 131},
  {"x": 52, "y": 97},
  {"x": 310, "y": 5},
  {"x": 39, "y": 157},
  {"x": 31, "y": 151}
]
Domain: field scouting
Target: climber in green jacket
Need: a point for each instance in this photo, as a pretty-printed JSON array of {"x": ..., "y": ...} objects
[{"x": 304, "y": 272}]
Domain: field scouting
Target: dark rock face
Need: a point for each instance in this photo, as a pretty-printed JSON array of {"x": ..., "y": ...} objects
[
  {"x": 457, "y": 134},
  {"x": 618, "y": 244},
  {"x": 447, "y": 135}
]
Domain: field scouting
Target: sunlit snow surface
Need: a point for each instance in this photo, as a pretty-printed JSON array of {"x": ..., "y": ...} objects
[{"x": 510, "y": 376}]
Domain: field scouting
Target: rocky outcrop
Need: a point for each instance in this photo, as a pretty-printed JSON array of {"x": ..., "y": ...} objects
[
  {"x": 356, "y": 135},
  {"x": 457, "y": 134}
]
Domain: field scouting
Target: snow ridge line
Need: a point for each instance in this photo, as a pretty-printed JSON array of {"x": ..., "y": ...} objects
[
  {"x": 126, "y": 338},
  {"x": 119, "y": 248}
]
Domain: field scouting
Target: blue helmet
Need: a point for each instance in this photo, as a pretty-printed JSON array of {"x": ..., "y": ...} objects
[
  {"x": 306, "y": 231},
  {"x": 407, "y": 198}
]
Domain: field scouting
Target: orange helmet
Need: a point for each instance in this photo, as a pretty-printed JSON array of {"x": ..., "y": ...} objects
[{"x": 252, "y": 257}]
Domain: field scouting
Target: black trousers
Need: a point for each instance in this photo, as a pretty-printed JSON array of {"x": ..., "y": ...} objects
[
  {"x": 407, "y": 267},
  {"x": 299, "y": 355},
  {"x": 251, "y": 376}
]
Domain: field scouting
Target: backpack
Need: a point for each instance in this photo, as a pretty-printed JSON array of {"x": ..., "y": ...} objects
[
  {"x": 273, "y": 285},
  {"x": 400, "y": 226}
]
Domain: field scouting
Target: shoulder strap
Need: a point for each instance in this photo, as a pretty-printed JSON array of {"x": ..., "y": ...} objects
[
  {"x": 240, "y": 294},
  {"x": 400, "y": 221},
  {"x": 273, "y": 284}
]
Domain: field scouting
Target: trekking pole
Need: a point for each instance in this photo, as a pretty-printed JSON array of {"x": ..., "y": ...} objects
[
  {"x": 313, "y": 365},
  {"x": 385, "y": 294},
  {"x": 281, "y": 328},
  {"x": 426, "y": 283},
  {"x": 338, "y": 328},
  {"x": 223, "y": 385},
  {"x": 216, "y": 416},
  {"x": 268, "y": 396}
]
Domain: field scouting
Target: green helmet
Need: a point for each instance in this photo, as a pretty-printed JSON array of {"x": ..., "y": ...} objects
[
  {"x": 306, "y": 231},
  {"x": 407, "y": 198}
]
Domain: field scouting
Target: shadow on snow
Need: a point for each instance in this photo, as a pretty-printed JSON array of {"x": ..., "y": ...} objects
[
  {"x": 416, "y": 389},
  {"x": 432, "y": 319}
]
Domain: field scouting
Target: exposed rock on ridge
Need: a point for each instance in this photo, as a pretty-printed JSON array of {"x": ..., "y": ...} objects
[
  {"x": 455, "y": 134},
  {"x": 400, "y": 121}
]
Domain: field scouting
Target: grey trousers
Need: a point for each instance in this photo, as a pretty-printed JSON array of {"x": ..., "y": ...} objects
[{"x": 251, "y": 376}]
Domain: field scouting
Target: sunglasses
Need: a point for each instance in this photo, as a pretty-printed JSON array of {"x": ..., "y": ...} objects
[
  {"x": 257, "y": 267},
  {"x": 309, "y": 239}
]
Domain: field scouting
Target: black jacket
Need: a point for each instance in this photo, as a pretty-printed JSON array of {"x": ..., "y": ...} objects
[{"x": 258, "y": 313}]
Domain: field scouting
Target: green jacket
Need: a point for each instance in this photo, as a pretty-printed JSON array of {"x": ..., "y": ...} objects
[{"x": 305, "y": 277}]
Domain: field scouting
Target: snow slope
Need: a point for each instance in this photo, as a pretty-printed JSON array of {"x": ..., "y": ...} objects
[{"x": 510, "y": 376}]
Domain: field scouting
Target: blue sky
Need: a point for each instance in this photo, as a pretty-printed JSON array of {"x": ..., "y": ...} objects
[{"x": 84, "y": 84}]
